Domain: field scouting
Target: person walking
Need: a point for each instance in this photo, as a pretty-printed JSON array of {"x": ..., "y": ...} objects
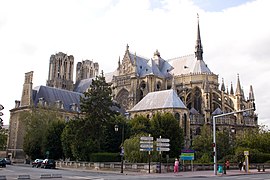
[
  {"x": 244, "y": 165},
  {"x": 240, "y": 165},
  {"x": 227, "y": 164},
  {"x": 176, "y": 165}
]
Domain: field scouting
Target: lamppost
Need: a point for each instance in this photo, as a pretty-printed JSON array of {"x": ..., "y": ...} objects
[
  {"x": 122, "y": 145},
  {"x": 214, "y": 133}
]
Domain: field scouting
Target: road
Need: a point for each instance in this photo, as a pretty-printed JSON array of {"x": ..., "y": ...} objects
[{"x": 14, "y": 171}]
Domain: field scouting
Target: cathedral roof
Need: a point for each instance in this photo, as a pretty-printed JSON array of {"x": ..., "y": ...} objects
[
  {"x": 149, "y": 66},
  {"x": 82, "y": 85},
  {"x": 51, "y": 95},
  {"x": 159, "y": 100},
  {"x": 188, "y": 64}
]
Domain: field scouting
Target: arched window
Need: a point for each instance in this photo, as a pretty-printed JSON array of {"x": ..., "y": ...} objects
[
  {"x": 122, "y": 98},
  {"x": 177, "y": 116}
]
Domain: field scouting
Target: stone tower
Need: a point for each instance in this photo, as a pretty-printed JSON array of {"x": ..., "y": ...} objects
[
  {"x": 27, "y": 89},
  {"x": 86, "y": 69},
  {"x": 61, "y": 71}
]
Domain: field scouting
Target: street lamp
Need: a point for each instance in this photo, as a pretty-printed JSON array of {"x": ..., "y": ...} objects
[
  {"x": 214, "y": 133},
  {"x": 116, "y": 128}
]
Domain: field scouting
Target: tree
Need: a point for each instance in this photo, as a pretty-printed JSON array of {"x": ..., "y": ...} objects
[
  {"x": 53, "y": 145},
  {"x": 3, "y": 139},
  {"x": 94, "y": 127},
  {"x": 166, "y": 126},
  {"x": 140, "y": 124},
  {"x": 202, "y": 144},
  {"x": 37, "y": 123}
]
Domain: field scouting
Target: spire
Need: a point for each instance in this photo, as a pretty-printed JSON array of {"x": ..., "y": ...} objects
[
  {"x": 231, "y": 92},
  {"x": 238, "y": 90},
  {"x": 222, "y": 85},
  {"x": 198, "y": 46},
  {"x": 251, "y": 94},
  {"x": 119, "y": 62},
  {"x": 127, "y": 47},
  {"x": 173, "y": 84}
]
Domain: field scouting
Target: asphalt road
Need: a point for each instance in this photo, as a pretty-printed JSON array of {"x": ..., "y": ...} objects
[{"x": 14, "y": 171}]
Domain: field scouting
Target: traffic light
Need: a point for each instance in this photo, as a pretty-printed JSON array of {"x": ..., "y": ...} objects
[
  {"x": 254, "y": 107},
  {"x": 213, "y": 145},
  {"x": 213, "y": 153}
]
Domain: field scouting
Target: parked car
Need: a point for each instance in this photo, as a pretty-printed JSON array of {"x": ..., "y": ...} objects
[
  {"x": 2, "y": 162},
  {"x": 8, "y": 161},
  {"x": 48, "y": 163},
  {"x": 37, "y": 163}
]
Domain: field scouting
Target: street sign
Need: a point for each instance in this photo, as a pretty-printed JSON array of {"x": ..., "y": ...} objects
[
  {"x": 1, "y": 107},
  {"x": 1, "y": 114},
  {"x": 146, "y": 145},
  {"x": 147, "y": 138},
  {"x": 163, "y": 149},
  {"x": 163, "y": 140},
  {"x": 187, "y": 154},
  {"x": 147, "y": 149},
  {"x": 163, "y": 144},
  {"x": 146, "y": 142}
]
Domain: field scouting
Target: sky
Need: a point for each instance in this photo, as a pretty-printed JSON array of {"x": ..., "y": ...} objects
[{"x": 235, "y": 36}]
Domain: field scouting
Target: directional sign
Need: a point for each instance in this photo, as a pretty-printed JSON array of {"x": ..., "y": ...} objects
[
  {"x": 147, "y": 149},
  {"x": 163, "y": 140},
  {"x": 146, "y": 146},
  {"x": 1, "y": 114},
  {"x": 146, "y": 142},
  {"x": 1, "y": 107},
  {"x": 163, "y": 149},
  {"x": 163, "y": 144},
  {"x": 147, "y": 138}
]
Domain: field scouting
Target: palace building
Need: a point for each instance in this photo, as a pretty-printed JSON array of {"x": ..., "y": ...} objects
[{"x": 184, "y": 86}]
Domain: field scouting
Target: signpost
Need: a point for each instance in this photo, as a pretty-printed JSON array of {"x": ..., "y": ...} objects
[
  {"x": 246, "y": 153},
  {"x": 187, "y": 154},
  {"x": 146, "y": 144},
  {"x": 162, "y": 145}
]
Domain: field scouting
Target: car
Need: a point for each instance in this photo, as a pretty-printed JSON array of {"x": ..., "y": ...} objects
[
  {"x": 2, "y": 162},
  {"x": 37, "y": 163},
  {"x": 48, "y": 163},
  {"x": 8, "y": 161}
]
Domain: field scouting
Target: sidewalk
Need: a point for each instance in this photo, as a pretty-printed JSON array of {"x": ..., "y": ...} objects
[{"x": 211, "y": 173}]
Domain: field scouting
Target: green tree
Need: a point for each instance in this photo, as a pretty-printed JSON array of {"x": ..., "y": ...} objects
[
  {"x": 140, "y": 124},
  {"x": 96, "y": 125},
  {"x": 166, "y": 126},
  {"x": 3, "y": 139},
  {"x": 53, "y": 145},
  {"x": 37, "y": 123},
  {"x": 202, "y": 144}
]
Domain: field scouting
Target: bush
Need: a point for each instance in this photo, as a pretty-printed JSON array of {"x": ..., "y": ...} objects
[{"x": 105, "y": 157}]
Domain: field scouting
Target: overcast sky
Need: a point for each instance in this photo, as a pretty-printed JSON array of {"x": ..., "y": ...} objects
[{"x": 235, "y": 36}]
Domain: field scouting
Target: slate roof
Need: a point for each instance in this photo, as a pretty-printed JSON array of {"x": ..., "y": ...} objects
[
  {"x": 149, "y": 66},
  {"x": 159, "y": 100},
  {"x": 51, "y": 95},
  {"x": 188, "y": 64},
  {"x": 83, "y": 85}
]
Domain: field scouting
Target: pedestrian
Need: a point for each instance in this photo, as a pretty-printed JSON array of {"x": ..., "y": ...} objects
[
  {"x": 176, "y": 165},
  {"x": 227, "y": 164},
  {"x": 240, "y": 165},
  {"x": 244, "y": 165},
  {"x": 224, "y": 168}
]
